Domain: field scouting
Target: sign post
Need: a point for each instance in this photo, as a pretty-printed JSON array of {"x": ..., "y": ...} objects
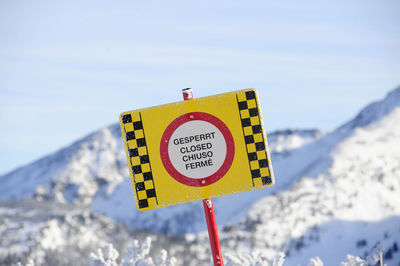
[
  {"x": 209, "y": 211},
  {"x": 197, "y": 149}
]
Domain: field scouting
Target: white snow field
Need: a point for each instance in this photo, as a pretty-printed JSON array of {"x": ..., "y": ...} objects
[
  {"x": 93, "y": 172},
  {"x": 336, "y": 193}
]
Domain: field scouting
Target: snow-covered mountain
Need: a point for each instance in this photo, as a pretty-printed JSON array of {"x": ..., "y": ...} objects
[
  {"x": 42, "y": 231},
  {"x": 342, "y": 198},
  {"x": 375, "y": 111},
  {"x": 335, "y": 193},
  {"x": 281, "y": 141},
  {"x": 50, "y": 233},
  {"x": 95, "y": 164},
  {"x": 93, "y": 172}
]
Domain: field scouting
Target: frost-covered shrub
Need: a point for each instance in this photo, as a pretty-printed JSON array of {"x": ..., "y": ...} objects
[
  {"x": 372, "y": 259},
  {"x": 257, "y": 259},
  {"x": 353, "y": 261},
  {"x": 106, "y": 256},
  {"x": 279, "y": 259},
  {"x": 374, "y": 256},
  {"x": 138, "y": 255},
  {"x": 315, "y": 262},
  {"x": 252, "y": 259}
]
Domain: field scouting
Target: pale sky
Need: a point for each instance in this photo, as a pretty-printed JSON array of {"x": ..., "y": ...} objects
[{"x": 68, "y": 68}]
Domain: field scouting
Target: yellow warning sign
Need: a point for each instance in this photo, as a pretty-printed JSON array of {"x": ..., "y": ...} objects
[{"x": 197, "y": 149}]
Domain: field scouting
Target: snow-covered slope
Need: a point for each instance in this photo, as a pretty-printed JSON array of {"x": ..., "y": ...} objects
[
  {"x": 284, "y": 140},
  {"x": 93, "y": 172},
  {"x": 375, "y": 111},
  {"x": 49, "y": 233},
  {"x": 43, "y": 231},
  {"x": 344, "y": 198},
  {"x": 335, "y": 194},
  {"x": 95, "y": 164}
]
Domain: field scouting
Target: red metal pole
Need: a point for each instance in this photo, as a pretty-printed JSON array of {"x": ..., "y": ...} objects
[
  {"x": 213, "y": 231},
  {"x": 209, "y": 211}
]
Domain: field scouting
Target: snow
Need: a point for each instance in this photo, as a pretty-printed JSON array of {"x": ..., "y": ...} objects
[
  {"x": 337, "y": 238},
  {"x": 375, "y": 111},
  {"x": 93, "y": 172},
  {"x": 284, "y": 140},
  {"x": 74, "y": 174},
  {"x": 353, "y": 195},
  {"x": 49, "y": 233},
  {"x": 32, "y": 230},
  {"x": 335, "y": 194}
]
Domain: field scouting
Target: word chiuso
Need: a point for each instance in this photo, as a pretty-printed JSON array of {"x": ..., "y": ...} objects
[{"x": 192, "y": 153}]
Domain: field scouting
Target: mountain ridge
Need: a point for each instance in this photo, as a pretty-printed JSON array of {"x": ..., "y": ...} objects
[
  {"x": 94, "y": 173},
  {"x": 374, "y": 111},
  {"x": 355, "y": 187},
  {"x": 346, "y": 178}
]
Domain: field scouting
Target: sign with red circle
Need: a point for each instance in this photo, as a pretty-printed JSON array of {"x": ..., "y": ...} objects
[{"x": 197, "y": 149}]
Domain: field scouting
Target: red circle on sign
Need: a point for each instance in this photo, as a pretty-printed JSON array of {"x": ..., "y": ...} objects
[{"x": 197, "y": 182}]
